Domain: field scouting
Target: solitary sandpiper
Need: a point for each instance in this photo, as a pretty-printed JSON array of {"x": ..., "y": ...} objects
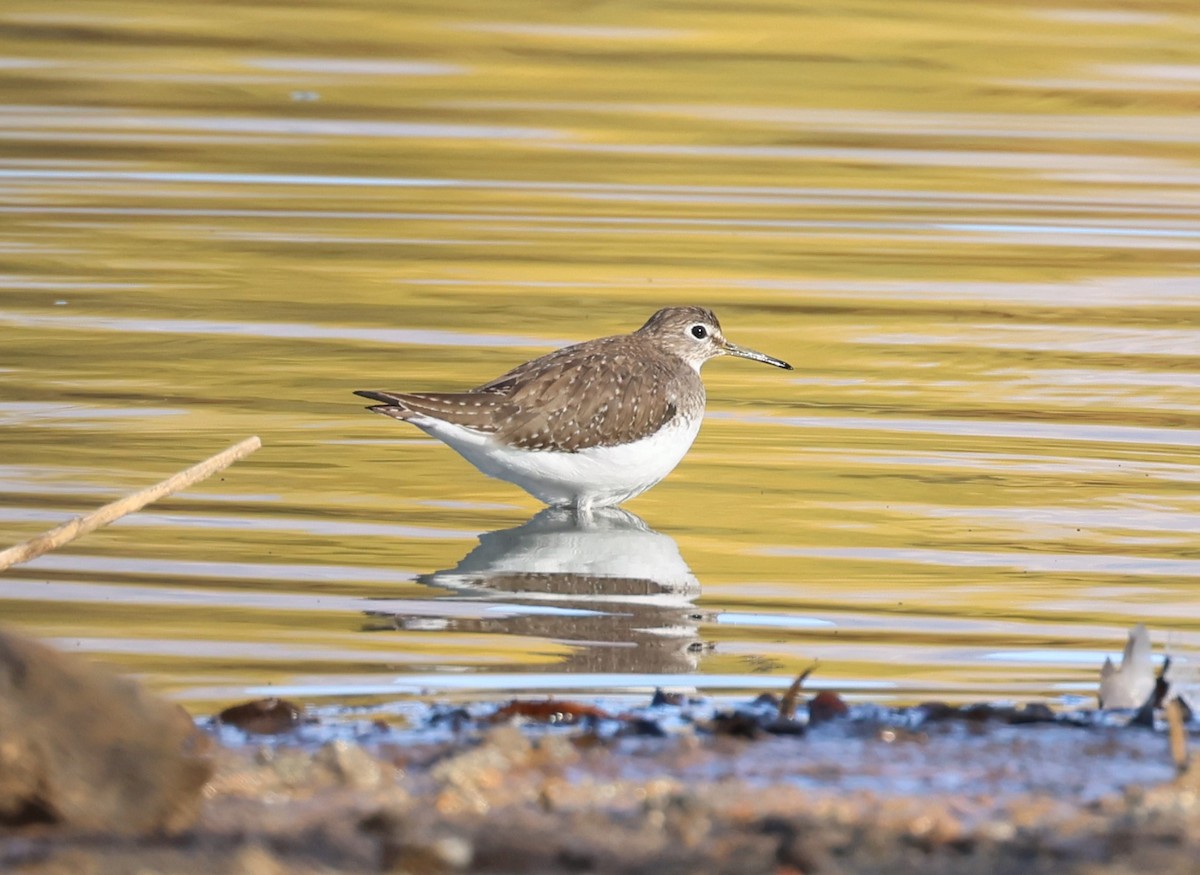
[{"x": 589, "y": 425}]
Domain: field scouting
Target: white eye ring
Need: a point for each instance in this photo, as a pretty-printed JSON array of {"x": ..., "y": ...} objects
[{"x": 698, "y": 331}]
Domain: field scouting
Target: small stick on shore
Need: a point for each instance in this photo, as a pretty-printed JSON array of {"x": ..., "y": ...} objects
[
  {"x": 102, "y": 516},
  {"x": 1178, "y": 736}
]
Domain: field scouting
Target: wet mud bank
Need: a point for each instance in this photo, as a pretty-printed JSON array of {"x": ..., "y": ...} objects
[
  {"x": 513, "y": 798},
  {"x": 673, "y": 785},
  {"x": 509, "y": 805}
]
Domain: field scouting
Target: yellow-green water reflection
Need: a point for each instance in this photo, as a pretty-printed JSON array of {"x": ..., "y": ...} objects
[{"x": 974, "y": 229}]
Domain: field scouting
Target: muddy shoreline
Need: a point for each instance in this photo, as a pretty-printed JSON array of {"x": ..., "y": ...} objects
[
  {"x": 99, "y": 776},
  {"x": 672, "y": 787}
]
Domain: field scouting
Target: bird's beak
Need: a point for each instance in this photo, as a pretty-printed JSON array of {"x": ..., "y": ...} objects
[{"x": 742, "y": 352}]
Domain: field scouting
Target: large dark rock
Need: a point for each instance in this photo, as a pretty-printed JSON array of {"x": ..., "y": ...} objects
[{"x": 84, "y": 747}]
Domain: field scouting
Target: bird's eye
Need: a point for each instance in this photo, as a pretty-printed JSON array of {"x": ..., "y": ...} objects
[{"x": 699, "y": 332}]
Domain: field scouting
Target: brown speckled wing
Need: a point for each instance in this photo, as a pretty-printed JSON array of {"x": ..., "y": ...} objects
[
  {"x": 601, "y": 396},
  {"x": 469, "y": 409}
]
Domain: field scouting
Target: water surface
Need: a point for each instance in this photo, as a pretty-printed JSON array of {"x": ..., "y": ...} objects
[{"x": 974, "y": 229}]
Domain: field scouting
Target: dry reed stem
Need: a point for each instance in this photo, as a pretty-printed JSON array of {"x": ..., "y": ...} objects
[{"x": 102, "y": 516}]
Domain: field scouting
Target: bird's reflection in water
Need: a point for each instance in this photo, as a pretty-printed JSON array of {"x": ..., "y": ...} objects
[{"x": 602, "y": 580}]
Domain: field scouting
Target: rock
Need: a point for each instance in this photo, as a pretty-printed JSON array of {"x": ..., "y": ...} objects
[
  {"x": 270, "y": 716},
  {"x": 350, "y": 765},
  {"x": 85, "y": 748},
  {"x": 825, "y": 706}
]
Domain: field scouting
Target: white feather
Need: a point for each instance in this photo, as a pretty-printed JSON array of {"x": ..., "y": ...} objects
[{"x": 593, "y": 477}]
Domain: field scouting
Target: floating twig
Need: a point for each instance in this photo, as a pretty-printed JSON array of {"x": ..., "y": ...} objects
[{"x": 110, "y": 513}]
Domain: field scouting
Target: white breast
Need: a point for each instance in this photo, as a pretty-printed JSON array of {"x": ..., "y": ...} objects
[{"x": 594, "y": 477}]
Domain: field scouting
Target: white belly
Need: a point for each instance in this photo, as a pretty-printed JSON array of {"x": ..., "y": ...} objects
[{"x": 595, "y": 477}]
